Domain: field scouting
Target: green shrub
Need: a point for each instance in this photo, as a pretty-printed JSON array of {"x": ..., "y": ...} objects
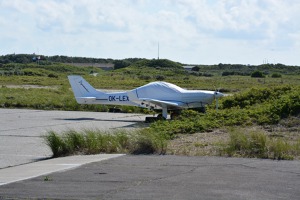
[
  {"x": 258, "y": 145},
  {"x": 278, "y": 150},
  {"x": 257, "y": 74},
  {"x": 52, "y": 75},
  {"x": 142, "y": 145},
  {"x": 253, "y": 144},
  {"x": 276, "y": 75},
  {"x": 256, "y": 106},
  {"x": 238, "y": 143},
  {"x": 34, "y": 72},
  {"x": 56, "y": 144},
  {"x": 96, "y": 141},
  {"x": 160, "y": 77},
  {"x": 74, "y": 141}
]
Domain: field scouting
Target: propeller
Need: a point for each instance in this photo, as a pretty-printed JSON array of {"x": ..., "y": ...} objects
[{"x": 217, "y": 95}]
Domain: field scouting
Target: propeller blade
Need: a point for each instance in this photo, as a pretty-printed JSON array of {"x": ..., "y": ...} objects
[{"x": 217, "y": 95}]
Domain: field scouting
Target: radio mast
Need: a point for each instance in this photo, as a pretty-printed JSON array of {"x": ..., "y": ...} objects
[{"x": 158, "y": 51}]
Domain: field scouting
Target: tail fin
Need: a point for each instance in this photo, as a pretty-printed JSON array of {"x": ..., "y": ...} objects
[{"x": 82, "y": 90}]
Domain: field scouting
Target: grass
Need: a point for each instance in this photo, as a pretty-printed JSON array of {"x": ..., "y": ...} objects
[
  {"x": 250, "y": 142},
  {"x": 255, "y": 142},
  {"x": 255, "y": 102},
  {"x": 61, "y": 98},
  {"x": 95, "y": 141},
  {"x": 258, "y": 144},
  {"x": 281, "y": 103}
]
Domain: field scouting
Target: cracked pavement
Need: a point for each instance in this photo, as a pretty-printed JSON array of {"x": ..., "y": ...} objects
[
  {"x": 166, "y": 177},
  {"x": 21, "y": 130},
  {"x": 133, "y": 177}
]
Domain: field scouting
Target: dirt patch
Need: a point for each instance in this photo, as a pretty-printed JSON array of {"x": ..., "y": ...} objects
[
  {"x": 199, "y": 144},
  {"x": 31, "y": 86},
  {"x": 212, "y": 143}
]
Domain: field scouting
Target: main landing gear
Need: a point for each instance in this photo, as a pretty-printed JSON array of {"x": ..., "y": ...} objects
[
  {"x": 174, "y": 115},
  {"x": 154, "y": 119}
]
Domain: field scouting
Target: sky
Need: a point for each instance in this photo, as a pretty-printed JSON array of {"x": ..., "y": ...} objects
[{"x": 188, "y": 31}]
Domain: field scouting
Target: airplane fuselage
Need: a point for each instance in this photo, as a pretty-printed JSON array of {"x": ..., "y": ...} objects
[{"x": 155, "y": 95}]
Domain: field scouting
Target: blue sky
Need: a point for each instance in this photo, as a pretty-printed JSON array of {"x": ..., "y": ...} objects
[{"x": 188, "y": 31}]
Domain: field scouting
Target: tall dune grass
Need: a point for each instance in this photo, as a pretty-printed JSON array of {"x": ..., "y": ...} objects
[
  {"x": 256, "y": 144},
  {"x": 95, "y": 141}
]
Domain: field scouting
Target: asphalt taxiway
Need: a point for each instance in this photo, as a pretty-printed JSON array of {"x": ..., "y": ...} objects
[
  {"x": 26, "y": 173},
  {"x": 165, "y": 177},
  {"x": 21, "y": 130}
]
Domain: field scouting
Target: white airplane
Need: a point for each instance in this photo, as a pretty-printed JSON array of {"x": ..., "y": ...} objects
[{"x": 155, "y": 95}]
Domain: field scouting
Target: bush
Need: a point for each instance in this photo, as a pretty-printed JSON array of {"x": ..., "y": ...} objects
[
  {"x": 160, "y": 77},
  {"x": 279, "y": 149},
  {"x": 238, "y": 143},
  {"x": 145, "y": 77},
  {"x": 34, "y": 72},
  {"x": 118, "y": 64},
  {"x": 56, "y": 144},
  {"x": 256, "y": 144},
  {"x": 257, "y": 74},
  {"x": 276, "y": 75},
  {"x": 196, "y": 69},
  {"x": 96, "y": 141},
  {"x": 142, "y": 145},
  {"x": 51, "y": 75}
]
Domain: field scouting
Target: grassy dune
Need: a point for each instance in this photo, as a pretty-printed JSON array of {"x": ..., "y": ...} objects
[{"x": 247, "y": 123}]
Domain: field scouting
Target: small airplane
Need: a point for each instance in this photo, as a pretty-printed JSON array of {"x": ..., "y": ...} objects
[{"x": 155, "y": 95}]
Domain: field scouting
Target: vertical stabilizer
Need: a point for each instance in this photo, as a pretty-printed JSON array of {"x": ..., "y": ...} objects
[{"x": 81, "y": 87}]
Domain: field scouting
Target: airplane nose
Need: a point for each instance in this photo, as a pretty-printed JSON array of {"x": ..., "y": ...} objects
[{"x": 218, "y": 94}]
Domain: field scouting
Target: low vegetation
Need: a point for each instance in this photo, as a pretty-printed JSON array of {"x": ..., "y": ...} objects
[
  {"x": 265, "y": 96},
  {"x": 251, "y": 142},
  {"x": 266, "y": 108},
  {"x": 263, "y": 106},
  {"x": 257, "y": 143},
  {"x": 97, "y": 141}
]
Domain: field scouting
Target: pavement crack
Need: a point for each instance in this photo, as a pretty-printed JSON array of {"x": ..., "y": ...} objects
[{"x": 268, "y": 169}]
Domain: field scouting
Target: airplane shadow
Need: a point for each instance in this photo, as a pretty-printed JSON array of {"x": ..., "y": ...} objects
[
  {"x": 77, "y": 119},
  {"x": 94, "y": 119},
  {"x": 136, "y": 123}
]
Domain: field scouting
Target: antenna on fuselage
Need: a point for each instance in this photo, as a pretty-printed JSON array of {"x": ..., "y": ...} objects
[{"x": 158, "y": 51}]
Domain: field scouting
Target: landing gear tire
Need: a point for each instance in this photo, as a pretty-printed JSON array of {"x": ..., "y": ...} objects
[
  {"x": 150, "y": 119},
  {"x": 154, "y": 119},
  {"x": 160, "y": 117}
]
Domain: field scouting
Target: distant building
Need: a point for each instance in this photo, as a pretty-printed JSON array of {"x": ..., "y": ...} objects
[
  {"x": 104, "y": 66},
  {"x": 188, "y": 67}
]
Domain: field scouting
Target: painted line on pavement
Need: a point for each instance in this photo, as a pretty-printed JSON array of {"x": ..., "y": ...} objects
[{"x": 35, "y": 169}]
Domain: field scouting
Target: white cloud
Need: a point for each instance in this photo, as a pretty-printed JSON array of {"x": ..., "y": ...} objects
[{"x": 190, "y": 31}]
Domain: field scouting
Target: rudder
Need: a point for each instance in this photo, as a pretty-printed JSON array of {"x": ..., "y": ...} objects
[{"x": 80, "y": 87}]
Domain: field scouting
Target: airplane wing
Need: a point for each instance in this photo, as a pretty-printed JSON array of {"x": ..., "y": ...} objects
[{"x": 161, "y": 103}]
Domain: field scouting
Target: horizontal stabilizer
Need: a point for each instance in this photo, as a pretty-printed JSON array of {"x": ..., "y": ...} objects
[{"x": 85, "y": 99}]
